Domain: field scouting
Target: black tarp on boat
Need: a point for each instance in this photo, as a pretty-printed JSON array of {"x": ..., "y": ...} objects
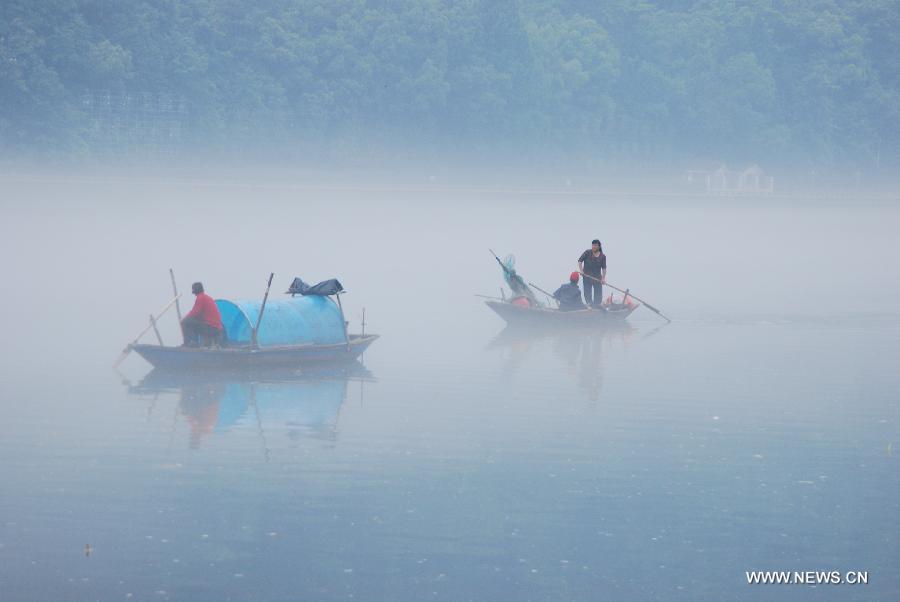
[{"x": 322, "y": 289}]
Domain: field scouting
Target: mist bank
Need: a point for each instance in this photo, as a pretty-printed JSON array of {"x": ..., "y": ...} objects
[
  {"x": 436, "y": 181},
  {"x": 599, "y": 87}
]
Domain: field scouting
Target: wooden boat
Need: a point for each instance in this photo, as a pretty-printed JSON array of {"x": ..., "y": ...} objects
[
  {"x": 528, "y": 315},
  {"x": 307, "y": 330},
  {"x": 248, "y": 356},
  {"x": 523, "y": 308}
]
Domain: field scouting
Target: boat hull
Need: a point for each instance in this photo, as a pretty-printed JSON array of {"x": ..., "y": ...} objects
[
  {"x": 240, "y": 358},
  {"x": 515, "y": 315}
]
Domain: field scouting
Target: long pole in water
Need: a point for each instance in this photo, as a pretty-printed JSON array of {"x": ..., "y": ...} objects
[
  {"x": 143, "y": 332},
  {"x": 262, "y": 308},
  {"x": 259, "y": 426},
  {"x": 629, "y": 294}
]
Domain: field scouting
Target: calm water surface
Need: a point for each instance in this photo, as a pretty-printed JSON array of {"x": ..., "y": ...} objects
[{"x": 462, "y": 461}]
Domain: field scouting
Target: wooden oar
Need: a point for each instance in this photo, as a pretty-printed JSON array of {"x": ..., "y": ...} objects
[
  {"x": 630, "y": 294},
  {"x": 549, "y": 296},
  {"x": 143, "y": 332}
]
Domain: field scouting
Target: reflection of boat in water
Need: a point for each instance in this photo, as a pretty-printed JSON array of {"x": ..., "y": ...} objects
[
  {"x": 582, "y": 352},
  {"x": 517, "y": 334},
  {"x": 296, "y": 403}
]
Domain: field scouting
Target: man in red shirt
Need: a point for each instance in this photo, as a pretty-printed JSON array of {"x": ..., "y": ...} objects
[{"x": 203, "y": 321}]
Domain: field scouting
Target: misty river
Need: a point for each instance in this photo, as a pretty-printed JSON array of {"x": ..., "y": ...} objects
[{"x": 458, "y": 460}]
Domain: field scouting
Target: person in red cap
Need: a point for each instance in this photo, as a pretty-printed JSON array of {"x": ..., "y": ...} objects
[
  {"x": 203, "y": 321},
  {"x": 569, "y": 295}
]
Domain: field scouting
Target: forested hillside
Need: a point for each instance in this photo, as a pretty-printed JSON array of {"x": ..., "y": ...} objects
[{"x": 804, "y": 83}]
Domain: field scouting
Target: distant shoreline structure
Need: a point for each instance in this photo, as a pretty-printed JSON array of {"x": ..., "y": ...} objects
[{"x": 723, "y": 181}]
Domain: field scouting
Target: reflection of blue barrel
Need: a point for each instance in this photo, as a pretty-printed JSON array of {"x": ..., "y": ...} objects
[
  {"x": 312, "y": 405},
  {"x": 294, "y": 321}
]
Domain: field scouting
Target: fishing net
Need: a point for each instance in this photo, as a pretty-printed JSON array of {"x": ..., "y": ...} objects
[
  {"x": 509, "y": 262},
  {"x": 514, "y": 281}
]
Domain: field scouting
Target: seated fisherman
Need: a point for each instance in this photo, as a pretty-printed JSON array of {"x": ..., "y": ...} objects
[
  {"x": 203, "y": 322},
  {"x": 569, "y": 295}
]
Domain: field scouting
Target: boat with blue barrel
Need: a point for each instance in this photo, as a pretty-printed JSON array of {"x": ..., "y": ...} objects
[{"x": 306, "y": 328}]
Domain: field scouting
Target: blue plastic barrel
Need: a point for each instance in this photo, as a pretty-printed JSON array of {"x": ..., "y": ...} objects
[{"x": 294, "y": 321}]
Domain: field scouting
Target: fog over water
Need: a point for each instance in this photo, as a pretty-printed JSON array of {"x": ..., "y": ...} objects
[
  {"x": 757, "y": 431},
  {"x": 415, "y": 258}
]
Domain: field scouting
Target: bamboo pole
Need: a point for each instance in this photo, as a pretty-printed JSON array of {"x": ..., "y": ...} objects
[
  {"x": 540, "y": 290},
  {"x": 175, "y": 292},
  {"x": 156, "y": 330},
  {"x": 262, "y": 308},
  {"x": 143, "y": 332},
  {"x": 343, "y": 320}
]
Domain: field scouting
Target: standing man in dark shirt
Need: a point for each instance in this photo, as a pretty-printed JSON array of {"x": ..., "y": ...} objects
[{"x": 593, "y": 263}]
